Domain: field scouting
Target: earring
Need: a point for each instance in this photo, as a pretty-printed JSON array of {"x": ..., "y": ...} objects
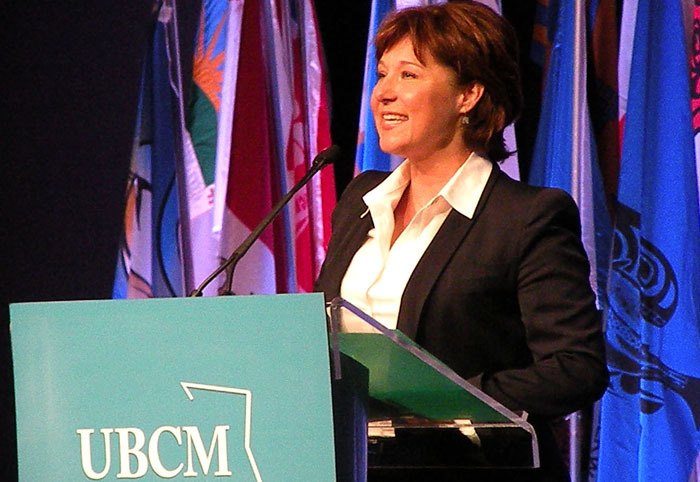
[{"x": 464, "y": 120}]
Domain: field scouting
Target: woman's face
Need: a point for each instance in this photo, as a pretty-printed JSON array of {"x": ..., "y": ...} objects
[{"x": 416, "y": 105}]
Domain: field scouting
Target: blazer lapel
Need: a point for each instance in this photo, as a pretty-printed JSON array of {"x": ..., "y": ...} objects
[
  {"x": 447, "y": 240},
  {"x": 355, "y": 234},
  {"x": 348, "y": 235}
]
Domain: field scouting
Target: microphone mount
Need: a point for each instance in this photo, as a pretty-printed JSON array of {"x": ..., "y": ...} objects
[{"x": 325, "y": 157}]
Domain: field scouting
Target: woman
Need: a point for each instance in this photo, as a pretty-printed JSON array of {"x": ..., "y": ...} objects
[{"x": 487, "y": 274}]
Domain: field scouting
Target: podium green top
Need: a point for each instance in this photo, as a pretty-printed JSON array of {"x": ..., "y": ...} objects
[{"x": 406, "y": 377}]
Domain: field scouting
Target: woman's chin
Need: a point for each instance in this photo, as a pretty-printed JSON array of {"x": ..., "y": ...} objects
[{"x": 392, "y": 149}]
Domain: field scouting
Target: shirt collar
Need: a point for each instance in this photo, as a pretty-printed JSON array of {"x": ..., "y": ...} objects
[
  {"x": 390, "y": 188},
  {"x": 462, "y": 191},
  {"x": 465, "y": 187}
]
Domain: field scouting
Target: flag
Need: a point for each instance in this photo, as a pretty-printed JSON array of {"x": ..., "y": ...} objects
[
  {"x": 200, "y": 136},
  {"x": 695, "y": 81},
  {"x": 301, "y": 110},
  {"x": 257, "y": 116},
  {"x": 368, "y": 154},
  {"x": 650, "y": 414},
  {"x": 627, "y": 28},
  {"x": 250, "y": 184},
  {"x": 541, "y": 47},
  {"x": 281, "y": 69},
  {"x": 572, "y": 166},
  {"x": 150, "y": 256},
  {"x": 603, "y": 50},
  {"x": 565, "y": 154},
  {"x": 312, "y": 212},
  {"x": 317, "y": 104},
  {"x": 603, "y": 91}
]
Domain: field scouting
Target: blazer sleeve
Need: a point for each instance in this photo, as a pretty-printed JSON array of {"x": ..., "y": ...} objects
[{"x": 563, "y": 327}]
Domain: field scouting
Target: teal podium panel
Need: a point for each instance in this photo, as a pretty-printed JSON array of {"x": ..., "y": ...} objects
[{"x": 227, "y": 388}]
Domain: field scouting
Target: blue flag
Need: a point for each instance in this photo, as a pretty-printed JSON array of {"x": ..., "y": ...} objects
[
  {"x": 650, "y": 415},
  {"x": 565, "y": 153},
  {"x": 368, "y": 155},
  {"x": 150, "y": 259}
]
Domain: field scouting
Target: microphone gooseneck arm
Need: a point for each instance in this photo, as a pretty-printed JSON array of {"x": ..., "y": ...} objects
[{"x": 328, "y": 156}]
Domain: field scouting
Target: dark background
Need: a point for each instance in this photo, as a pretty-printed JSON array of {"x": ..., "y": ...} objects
[{"x": 69, "y": 75}]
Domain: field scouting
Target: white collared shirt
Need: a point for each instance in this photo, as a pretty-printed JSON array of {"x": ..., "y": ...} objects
[{"x": 379, "y": 272}]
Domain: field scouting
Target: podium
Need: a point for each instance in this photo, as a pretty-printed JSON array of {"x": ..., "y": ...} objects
[
  {"x": 227, "y": 388},
  {"x": 424, "y": 421}
]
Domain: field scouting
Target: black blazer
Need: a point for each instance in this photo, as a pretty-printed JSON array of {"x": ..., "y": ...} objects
[{"x": 503, "y": 298}]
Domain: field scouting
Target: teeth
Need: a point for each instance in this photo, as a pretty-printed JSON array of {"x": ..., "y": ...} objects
[{"x": 394, "y": 117}]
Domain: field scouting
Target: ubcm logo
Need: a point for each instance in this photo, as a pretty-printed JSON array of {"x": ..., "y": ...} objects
[{"x": 132, "y": 445}]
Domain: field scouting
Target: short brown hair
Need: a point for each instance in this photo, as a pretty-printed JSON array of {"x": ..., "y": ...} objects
[{"x": 480, "y": 46}]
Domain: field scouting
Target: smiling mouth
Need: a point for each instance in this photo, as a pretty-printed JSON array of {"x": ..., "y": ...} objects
[{"x": 394, "y": 119}]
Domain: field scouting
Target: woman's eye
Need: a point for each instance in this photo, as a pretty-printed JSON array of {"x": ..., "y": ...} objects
[
  {"x": 408, "y": 75},
  {"x": 381, "y": 75}
]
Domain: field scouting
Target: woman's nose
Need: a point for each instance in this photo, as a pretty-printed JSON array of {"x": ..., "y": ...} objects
[{"x": 384, "y": 90}]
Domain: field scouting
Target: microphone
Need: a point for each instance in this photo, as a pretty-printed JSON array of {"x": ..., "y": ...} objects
[{"x": 325, "y": 157}]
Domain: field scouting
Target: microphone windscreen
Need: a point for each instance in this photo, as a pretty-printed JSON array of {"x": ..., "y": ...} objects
[{"x": 327, "y": 156}]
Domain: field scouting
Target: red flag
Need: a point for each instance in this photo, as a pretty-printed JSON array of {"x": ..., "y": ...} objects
[
  {"x": 302, "y": 116},
  {"x": 249, "y": 195}
]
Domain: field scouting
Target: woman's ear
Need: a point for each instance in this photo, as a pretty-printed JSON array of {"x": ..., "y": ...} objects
[{"x": 470, "y": 96}]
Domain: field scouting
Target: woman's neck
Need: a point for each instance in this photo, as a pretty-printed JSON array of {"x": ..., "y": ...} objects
[{"x": 430, "y": 175}]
